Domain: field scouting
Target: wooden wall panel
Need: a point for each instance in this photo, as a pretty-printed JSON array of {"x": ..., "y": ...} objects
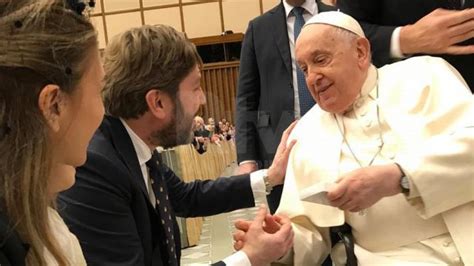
[
  {"x": 190, "y": 165},
  {"x": 226, "y": 15},
  {"x": 219, "y": 82}
]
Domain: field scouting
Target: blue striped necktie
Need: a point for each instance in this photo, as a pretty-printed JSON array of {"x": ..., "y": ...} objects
[{"x": 306, "y": 100}]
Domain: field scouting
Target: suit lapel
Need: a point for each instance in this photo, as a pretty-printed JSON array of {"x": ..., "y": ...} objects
[
  {"x": 280, "y": 34},
  {"x": 124, "y": 146}
]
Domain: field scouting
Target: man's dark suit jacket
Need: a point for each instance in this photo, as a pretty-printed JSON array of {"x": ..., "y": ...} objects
[
  {"x": 265, "y": 94},
  {"x": 109, "y": 210},
  {"x": 379, "y": 18}
]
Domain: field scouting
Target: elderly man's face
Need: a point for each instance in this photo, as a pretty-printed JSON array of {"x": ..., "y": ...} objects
[{"x": 335, "y": 66}]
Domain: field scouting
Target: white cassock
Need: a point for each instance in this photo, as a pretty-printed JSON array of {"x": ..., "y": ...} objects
[{"x": 426, "y": 115}]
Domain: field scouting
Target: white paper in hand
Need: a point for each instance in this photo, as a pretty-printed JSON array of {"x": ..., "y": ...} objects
[{"x": 317, "y": 193}]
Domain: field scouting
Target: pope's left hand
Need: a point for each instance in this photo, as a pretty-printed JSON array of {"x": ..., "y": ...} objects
[{"x": 362, "y": 188}]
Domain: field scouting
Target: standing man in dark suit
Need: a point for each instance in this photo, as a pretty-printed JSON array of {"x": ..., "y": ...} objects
[
  {"x": 271, "y": 91},
  {"x": 125, "y": 200},
  {"x": 402, "y": 28}
]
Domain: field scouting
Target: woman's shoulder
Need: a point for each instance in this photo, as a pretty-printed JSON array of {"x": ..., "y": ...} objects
[{"x": 68, "y": 241}]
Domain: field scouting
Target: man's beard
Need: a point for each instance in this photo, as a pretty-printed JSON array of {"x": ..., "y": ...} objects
[{"x": 178, "y": 132}]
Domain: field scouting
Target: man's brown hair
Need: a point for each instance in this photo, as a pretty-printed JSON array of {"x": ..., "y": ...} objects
[{"x": 141, "y": 59}]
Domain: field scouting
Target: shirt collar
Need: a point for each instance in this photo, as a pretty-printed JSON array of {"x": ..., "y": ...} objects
[
  {"x": 142, "y": 150},
  {"x": 369, "y": 85},
  {"x": 367, "y": 90},
  {"x": 310, "y": 6},
  {"x": 371, "y": 82}
]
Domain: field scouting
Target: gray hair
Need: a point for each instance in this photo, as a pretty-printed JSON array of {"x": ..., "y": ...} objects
[{"x": 347, "y": 35}]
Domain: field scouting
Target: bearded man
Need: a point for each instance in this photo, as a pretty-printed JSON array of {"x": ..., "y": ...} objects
[{"x": 124, "y": 205}]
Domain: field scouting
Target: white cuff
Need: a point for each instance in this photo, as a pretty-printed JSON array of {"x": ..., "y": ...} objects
[
  {"x": 257, "y": 184},
  {"x": 237, "y": 259},
  {"x": 247, "y": 161},
  {"x": 395, "y": 51}
]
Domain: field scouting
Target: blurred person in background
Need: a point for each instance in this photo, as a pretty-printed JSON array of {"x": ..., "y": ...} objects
[{"x": 201, "y": 135}]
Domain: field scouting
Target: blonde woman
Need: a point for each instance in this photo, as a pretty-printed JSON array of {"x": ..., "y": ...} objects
[{"x": 50, "y": 106}]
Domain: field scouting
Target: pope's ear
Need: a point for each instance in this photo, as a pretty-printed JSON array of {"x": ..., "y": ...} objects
[
  {"x": 51, "y": 104},
  {"x": 363, "y": 51}
]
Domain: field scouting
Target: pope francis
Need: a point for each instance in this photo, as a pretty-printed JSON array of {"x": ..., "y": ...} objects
[{"x": 391, "y": 150}]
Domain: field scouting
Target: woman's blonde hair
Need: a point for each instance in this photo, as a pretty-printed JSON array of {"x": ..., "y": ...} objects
[{"x": 42, "y": 42}]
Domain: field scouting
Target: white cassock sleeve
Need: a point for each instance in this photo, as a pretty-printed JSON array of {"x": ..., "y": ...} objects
[{"x": 437, "y": 126}]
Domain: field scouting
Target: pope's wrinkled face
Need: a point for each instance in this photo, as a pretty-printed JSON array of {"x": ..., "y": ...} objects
[{"x": 335, "y": 64}]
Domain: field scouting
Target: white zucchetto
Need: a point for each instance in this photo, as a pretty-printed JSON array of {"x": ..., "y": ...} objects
[{"x": 337, "y": 19}]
